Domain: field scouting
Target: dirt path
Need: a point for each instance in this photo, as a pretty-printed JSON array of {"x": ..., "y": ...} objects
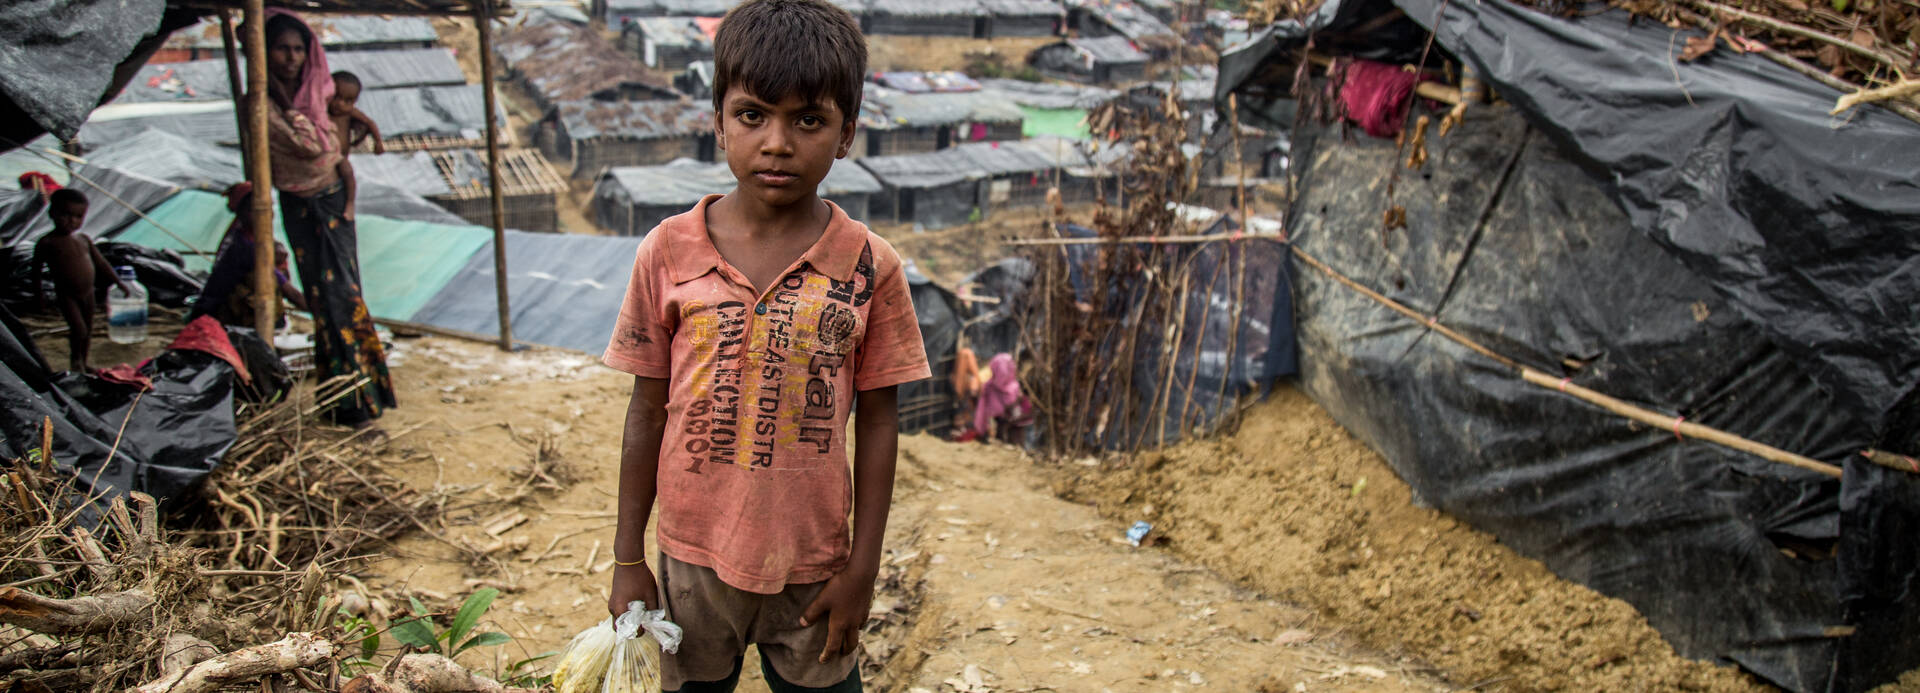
[{"x": 991, "y": 581}]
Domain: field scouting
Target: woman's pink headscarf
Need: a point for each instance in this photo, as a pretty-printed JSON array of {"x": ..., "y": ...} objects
[
  {"x": 999, "y": 394},
  {"x": 316, "y": 81}
]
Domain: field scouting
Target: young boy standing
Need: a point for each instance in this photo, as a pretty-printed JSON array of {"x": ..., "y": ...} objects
[
  {"x": 754, "y": 325},
  {"x": 77, "y": 269}
]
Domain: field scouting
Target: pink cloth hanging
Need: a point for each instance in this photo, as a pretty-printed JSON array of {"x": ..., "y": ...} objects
[{"x": 1375, "y": 96}]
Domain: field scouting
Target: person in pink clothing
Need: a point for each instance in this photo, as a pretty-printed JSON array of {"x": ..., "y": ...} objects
[{"x": 755, "y": 325}]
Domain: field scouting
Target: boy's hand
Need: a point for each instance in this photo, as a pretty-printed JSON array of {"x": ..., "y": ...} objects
[
  {"x": 844, "y": 601},
  {"x": 632, "y": 583},
  {"x": 379, "y": 147},
  {"x": 347, "y": 214}
]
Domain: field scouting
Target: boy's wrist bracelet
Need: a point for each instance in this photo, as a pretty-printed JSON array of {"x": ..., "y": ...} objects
[{"x": 617, "y": 561}]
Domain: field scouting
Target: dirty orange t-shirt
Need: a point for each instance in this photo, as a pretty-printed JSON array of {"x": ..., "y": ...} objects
[{"x": 754, "y": 478}]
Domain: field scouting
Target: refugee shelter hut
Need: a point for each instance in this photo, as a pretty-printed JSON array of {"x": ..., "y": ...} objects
[
  {"x": 670, "y": 43},
  {"x": 697, "y": 81},
  {"x": 1102, "y": 18},
  {"x": 900, "y": 123},
  {"x": 431, "y": 117},
  {"x": 933, "y": 189},
  {"x": 1052, "y": 108},
  {"x": 339, "y": 33},
  {"x": 1079, "y": 179},
  {"x": 851, "y": 187},
  {"x": 928, "y": 405},
  {"x": 619, "y": 13},
  {"x": 922, "y": 17},
  {"x": 560, "y": 62},
  {"x": 457, "y": 181},
  {"x": 631, "y": 200},
  {"x": 1685, "y": 422},
  {"x": 1104, "y": 60},
  {"x": 597, "y": 135},
  {"x": 1020, "y": 18},
  {"x": 1019, "y": 173}
]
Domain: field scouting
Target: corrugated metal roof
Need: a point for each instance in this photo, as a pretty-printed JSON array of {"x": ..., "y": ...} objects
[
  {"x": 669, "y": 8},
  {"x": 634, "y": 119},
  {"x": 923, "y": 82},
  {"x": 964, "y": 162},
  {"x": 1109, "y": 49},
  {"x": 672, "y": 31},
  {"x": 335, "y": 31},
  {"x": 685, "y": 181},
  {"x": 413, "y": 172},
  {"x": 1022, "y": 8},
  {"x": 1132, "y": 21},
  {"x": 884, "y": 108},
  {"x": 429, "y": 110},
  {"x": 926, "y": 8},
  {"x": 206, "y": 80},
  {"x": 1050, "y": 94},
  {"x": 567, "y": 62}
]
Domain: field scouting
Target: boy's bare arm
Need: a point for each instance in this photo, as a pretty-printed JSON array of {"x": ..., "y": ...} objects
[
  {"x": 345, "y": 169},
  {"x": 847, "y": 596},
  {"x": 373, "y": 130},
  {"x": 639, "y": 469},
  {"x": 100, "y": 264}
]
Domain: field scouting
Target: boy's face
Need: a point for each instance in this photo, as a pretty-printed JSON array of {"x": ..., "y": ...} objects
[
  {"x": 68, "y": 217},
  {"x": 345, "y": 95},
  {"x": 779, "y": 152}
]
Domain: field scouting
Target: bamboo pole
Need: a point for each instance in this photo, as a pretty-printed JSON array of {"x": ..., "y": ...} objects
[
  {"x": 1678, "y": 425},
  {"x": 228, "y": 42},
  {"x": 1151, "y": 240},
  {"x": 266, "y": 290},
  {"x": 482, "y": 18}
]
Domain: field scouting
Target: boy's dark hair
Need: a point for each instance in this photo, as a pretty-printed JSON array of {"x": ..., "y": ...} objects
[
  {"x": 63, "y": 197},
  {"x": 777, "y": 48},
  {"x": 345, "y": 77}
]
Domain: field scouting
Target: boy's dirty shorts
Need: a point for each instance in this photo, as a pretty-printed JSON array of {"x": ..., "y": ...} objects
[{"x": 720, "y": 620}]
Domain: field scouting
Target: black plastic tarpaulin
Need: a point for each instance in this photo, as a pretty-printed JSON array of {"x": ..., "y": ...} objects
[
  {"x": 1699, "y": 238},
  {"x": 61, "y": 58},
  {"x": 113, "y": 439}
]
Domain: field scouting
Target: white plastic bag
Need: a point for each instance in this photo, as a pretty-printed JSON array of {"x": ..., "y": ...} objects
[{"x": 618, "y": 655}]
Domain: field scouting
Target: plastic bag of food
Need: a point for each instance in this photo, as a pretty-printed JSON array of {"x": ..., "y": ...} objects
[{"x": 618, "y": 655}]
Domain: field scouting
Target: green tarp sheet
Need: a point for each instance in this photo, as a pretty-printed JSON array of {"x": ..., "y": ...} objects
[
  {"x": 402, "y": 263},
  {"x": 1058, "y": 122}
]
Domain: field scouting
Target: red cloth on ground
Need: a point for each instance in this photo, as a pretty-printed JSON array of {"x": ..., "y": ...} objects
[
  {"x": 1375, "y": 96},
  {"x": 126, "y": 374},
  {"x": 205, "y": 334}
]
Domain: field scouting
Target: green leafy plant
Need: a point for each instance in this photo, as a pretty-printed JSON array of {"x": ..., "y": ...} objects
[
  {"x": 417, "y": 631},
  {"x": 356, "y": 628},
  {"x": 521, "y": 674}
]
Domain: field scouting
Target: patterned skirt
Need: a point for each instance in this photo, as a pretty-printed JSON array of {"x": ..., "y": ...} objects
[{"x": 325, "y": 248}]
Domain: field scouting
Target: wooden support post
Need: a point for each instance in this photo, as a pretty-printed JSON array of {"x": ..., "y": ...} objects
[
  {"x": 483, "y": 19},
  {"x": 266, "y": 292},
  {"x": 234, "y": 85}
]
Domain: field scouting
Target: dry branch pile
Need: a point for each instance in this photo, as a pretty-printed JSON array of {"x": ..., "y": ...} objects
[
  {"x": 1105, "y": 323},
  {"x": 231, "y": 588}
]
